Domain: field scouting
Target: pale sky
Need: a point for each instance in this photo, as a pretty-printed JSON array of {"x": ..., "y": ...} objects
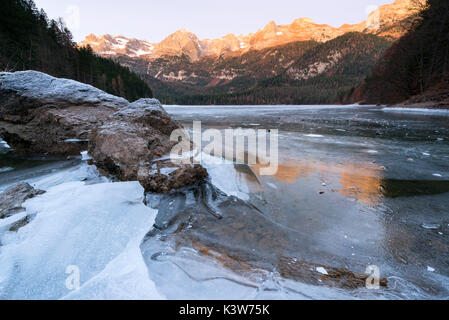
[{"x": 153, "y": 20}]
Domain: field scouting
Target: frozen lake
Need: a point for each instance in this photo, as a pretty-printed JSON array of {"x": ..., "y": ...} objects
[{"x": 356, "y": 187}]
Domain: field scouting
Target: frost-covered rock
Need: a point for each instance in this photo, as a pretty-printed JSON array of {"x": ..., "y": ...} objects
[
  {"x": 11, "y": 199},
  {"x": 39, "y": 89},
  {"x": 148, "y": 105},
  {"x": 40, "y": 113}
]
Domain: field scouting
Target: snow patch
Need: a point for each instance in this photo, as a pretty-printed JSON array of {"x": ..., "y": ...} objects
[{"x": 322, "y": 271}]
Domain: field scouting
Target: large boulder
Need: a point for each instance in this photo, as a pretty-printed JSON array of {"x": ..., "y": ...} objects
[
  {"x": 32, "y": 89},
  {"x": 45, "y": 115},
  {"x": 40, "y": 114},
  {"x": 132, "y": 143}
]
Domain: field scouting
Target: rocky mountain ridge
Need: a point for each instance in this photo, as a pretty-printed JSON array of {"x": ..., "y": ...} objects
[{"x": 383, "y": 22}]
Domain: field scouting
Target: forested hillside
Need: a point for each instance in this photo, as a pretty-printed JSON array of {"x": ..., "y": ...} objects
[
  {"x": 215, "y": 76},
  {"x": 30, "y": 41},
  {"x": 321, "y": 74},
  {"x": 417, "y": 64}
]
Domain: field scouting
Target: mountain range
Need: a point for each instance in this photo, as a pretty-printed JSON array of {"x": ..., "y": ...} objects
[
  {"x": 184, "y": 42},
  {"x": 183, "y": 68}
]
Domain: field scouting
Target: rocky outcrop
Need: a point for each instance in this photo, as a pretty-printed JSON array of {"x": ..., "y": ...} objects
[
  {"x": 40, "y": 114},
  {"x": 12, "y": 199},
  {"x": 130, "y": 143},
  {"x": 44, "y": 115},
  {"x": 32, "y": 89}
]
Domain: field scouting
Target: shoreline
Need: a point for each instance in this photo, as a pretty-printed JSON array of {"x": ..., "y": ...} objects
[{"x": 431, "y": 105}]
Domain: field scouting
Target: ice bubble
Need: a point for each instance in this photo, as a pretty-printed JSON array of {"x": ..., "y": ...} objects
[{"x": 429, "y": 226}]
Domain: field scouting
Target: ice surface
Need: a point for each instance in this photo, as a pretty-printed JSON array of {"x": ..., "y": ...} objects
[
  {"x": 189, "y": 274},
  {"x": 97, "y": 228},
  {"x": 85, "y": 156},
  {"x": 5, "y": 224},
  {"x": 423, "y": 111},
  {"x": 167, "y": 171},
  {"x": 271, "y": 185},
  {"x": 78, "y": 173},
  {"x": 126, "y": 277},
  {"x": 4, "y": 144},
  {"x": 6, "y": 169},
  {"x": 225, "y": 177},
  {"x": 118, "y": 272},
  {"x": 52, "y": 174},
  {"x": 431, "y": 226},
  {"x": 314, "y": 136},
  {"x": 75, "y": 140}
]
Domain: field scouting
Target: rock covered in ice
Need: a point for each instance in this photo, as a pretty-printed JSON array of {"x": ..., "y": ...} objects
[
  {"x": 11, "y": 199},
  {"x": 36, "y": 89}
]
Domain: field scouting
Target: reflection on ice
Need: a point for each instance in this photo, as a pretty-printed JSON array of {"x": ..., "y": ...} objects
[{"x": 360, "y": 181}]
